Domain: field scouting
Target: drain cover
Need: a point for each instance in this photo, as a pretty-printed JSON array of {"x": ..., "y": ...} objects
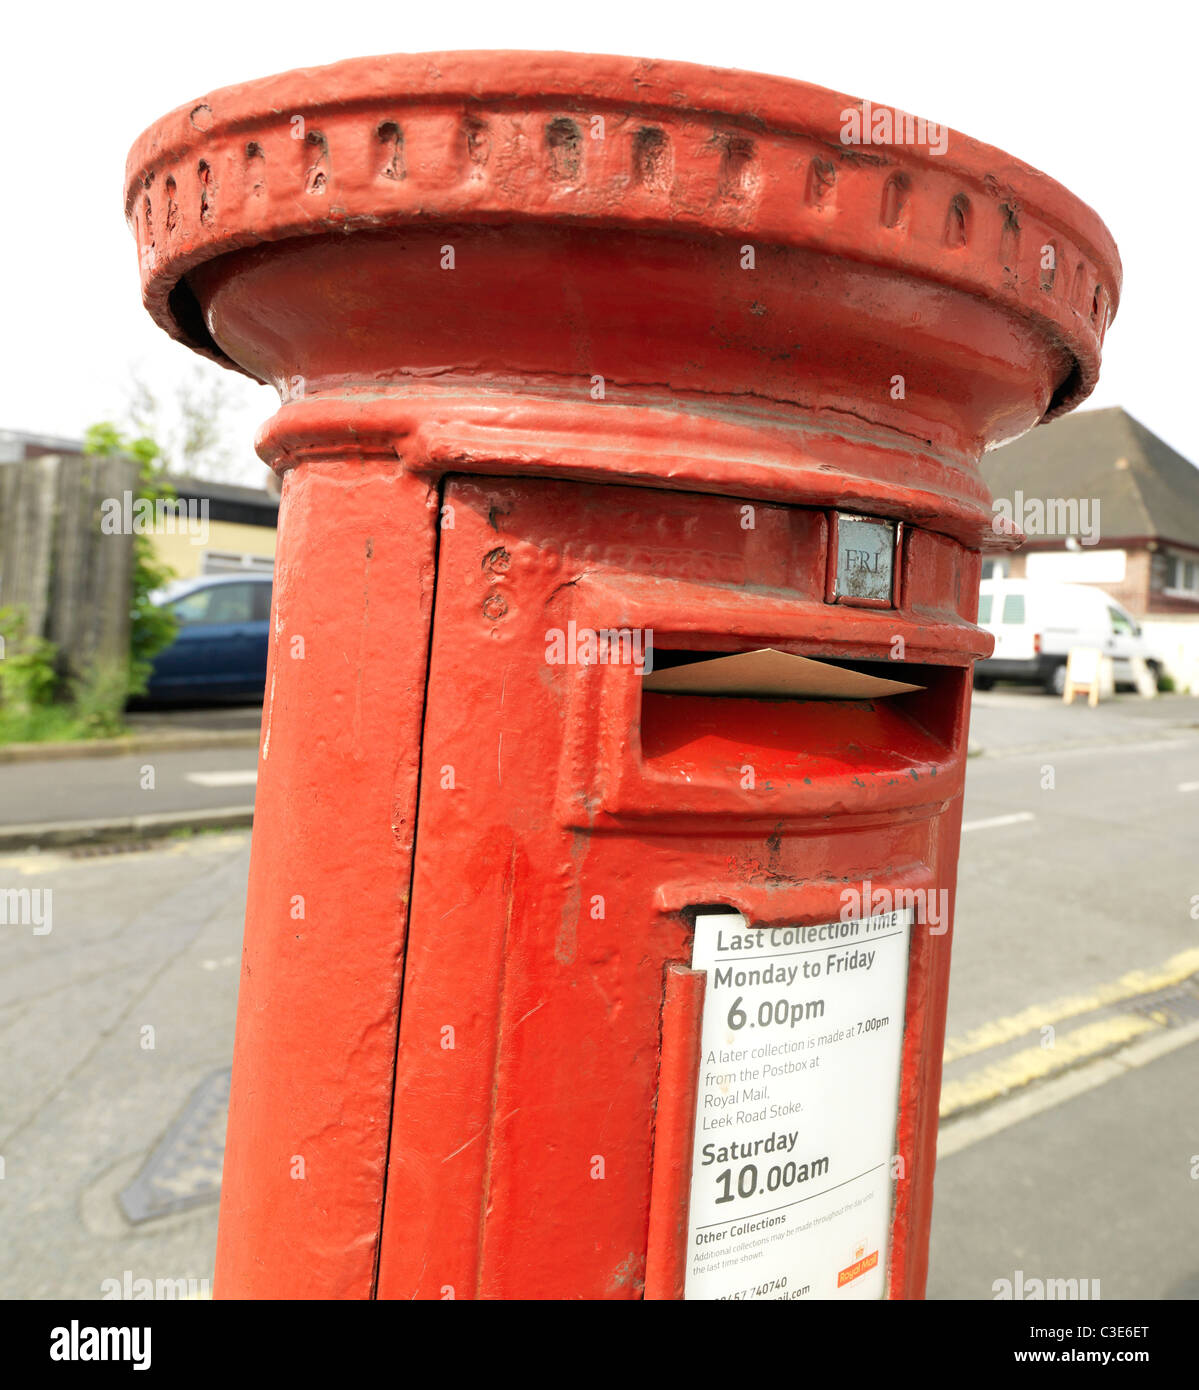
[
  {"x": 1172, "y": 1006},
  {"x": 185, "y": 1169}
]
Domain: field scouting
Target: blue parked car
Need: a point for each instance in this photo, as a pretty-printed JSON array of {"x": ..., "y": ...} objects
[{"x": 221, "y": 646}]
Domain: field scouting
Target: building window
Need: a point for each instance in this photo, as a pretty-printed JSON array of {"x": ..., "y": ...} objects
[
  {"x": 230, "y": 562},
  {"x": 1182, "y": 576},
  {"x": 996, "y": 569}
]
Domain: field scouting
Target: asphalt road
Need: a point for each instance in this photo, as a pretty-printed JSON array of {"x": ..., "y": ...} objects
[
  {"x": 128, "y": 785},
  {"x": 1100, "y": 1187},
  {"x": 1097, "y": 881},
  {"x": 1077, "y": 875}
]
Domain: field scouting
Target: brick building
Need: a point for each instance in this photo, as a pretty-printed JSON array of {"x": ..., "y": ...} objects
[{"x": 1105, "y": 502}]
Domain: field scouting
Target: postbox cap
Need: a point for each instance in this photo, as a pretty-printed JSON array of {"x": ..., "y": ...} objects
[{"x": 498, "y": 137}]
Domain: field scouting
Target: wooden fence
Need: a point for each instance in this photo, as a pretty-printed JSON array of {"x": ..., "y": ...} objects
[{"x": 72, "y": 581}]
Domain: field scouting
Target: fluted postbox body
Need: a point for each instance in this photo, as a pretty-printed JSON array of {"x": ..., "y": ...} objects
[{"x": 596, "y": 945}]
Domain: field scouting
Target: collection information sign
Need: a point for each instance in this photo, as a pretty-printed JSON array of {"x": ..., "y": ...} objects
[{"x": 798, "y": 1098}]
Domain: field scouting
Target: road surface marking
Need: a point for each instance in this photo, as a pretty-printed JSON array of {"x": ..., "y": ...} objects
[
  {"x": 1013, "y": 1026},
  {"x": 993, "y": 822},
  {"x": 961, "y": 1134},
  {"x": 1035, "y": 1063},
  {"x": 220, "y": 964},
  {"x": 224, "y": 779}
]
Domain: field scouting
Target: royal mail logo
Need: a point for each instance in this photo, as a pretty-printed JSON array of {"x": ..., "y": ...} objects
[{"x": 862, "y": 1265}]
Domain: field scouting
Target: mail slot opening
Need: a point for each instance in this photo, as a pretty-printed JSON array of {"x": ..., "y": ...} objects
[
  {"x": 709, "y": 722},
  {"x": 930, "y": 694},
  {"x": 935, "y": 705}
]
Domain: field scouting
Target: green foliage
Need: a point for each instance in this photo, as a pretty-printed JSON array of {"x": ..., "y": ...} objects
[
  {"x": 104, "y": 440},
  {"x": 28, "y": 684},
  {"x": 28, "y": 671},
  {"x": 30, "y": 710},
  {"x": 99, "y": 696},
  {"x": 32, "y": 707},
  {"x": 41, "y": 724},
  {"x": 152, "y": 628}
]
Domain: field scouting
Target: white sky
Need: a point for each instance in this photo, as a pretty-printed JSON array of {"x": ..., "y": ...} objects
[{"x": 1099, "y": 96}]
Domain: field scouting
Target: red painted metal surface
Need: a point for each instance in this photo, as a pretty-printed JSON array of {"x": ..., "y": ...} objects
[
  {"x": 674, "y": 1125},
  {"x": 581, "y": 339}
]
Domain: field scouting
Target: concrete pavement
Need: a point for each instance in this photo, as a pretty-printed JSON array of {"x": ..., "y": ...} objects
[{"x": 108, "y": 1024}]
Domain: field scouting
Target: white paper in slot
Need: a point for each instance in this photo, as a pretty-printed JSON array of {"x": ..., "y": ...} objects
[{"x": 771, "y": 674}]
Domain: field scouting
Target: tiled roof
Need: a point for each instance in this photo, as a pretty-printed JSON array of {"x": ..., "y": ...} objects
[{"x": 1144, "y": 487}]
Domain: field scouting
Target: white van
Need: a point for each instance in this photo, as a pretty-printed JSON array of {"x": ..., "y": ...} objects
[{"x": 1036, "y": 622}]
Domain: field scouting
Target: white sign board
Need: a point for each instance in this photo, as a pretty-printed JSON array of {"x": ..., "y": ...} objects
[
  {"x": 1077, "y": 566},
  {"x": 798, "y": 1099}
]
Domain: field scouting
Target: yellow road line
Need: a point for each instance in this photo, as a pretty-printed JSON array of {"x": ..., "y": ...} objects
[
  {"x": 1034, "y": 1063},
  {"x": 1004, "y": 1030}
]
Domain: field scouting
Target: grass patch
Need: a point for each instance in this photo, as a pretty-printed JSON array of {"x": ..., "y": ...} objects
[{"x": 47, "y": 724}]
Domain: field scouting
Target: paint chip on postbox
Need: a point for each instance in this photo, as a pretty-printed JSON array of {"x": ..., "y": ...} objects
[{"x": 770, "y": 674}]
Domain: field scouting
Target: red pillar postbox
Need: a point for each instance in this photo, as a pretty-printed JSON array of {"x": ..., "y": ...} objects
[{"x": 557, "y": 984}]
